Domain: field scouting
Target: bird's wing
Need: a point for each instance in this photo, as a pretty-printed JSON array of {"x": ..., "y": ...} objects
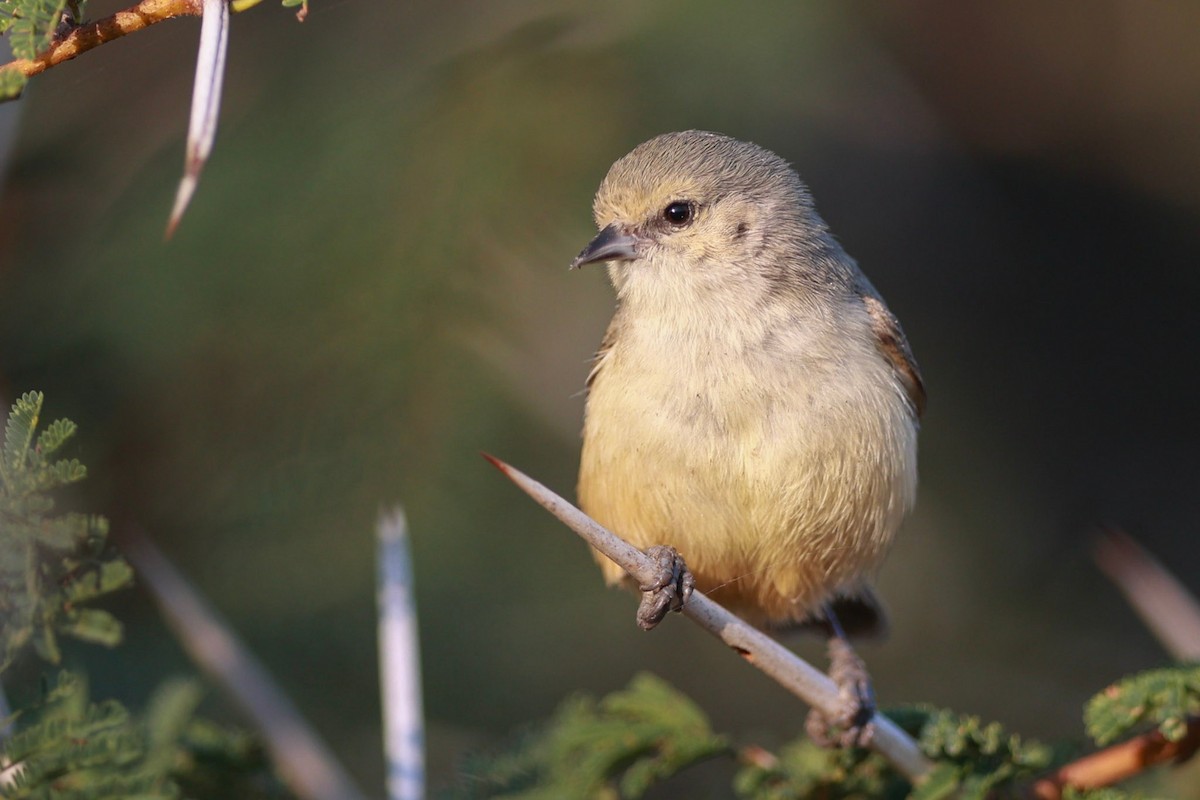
[
  {"x": 602, "y": 353},
  {"x": 894, "y": 346}
]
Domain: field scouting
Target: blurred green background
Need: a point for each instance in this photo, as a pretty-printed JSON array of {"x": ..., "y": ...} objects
[{"x": 371, "y": 287}]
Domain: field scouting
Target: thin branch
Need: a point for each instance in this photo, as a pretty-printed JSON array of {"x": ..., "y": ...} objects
[
  {"x": 1117, "y": 763},
  {"x": 399, "y": 662},
  {"x": 1163, "y": 603},
  {"x": 788, "y": 669},
  {"x": 93, "y": 34},
  {"x": 303, "y": 760}
]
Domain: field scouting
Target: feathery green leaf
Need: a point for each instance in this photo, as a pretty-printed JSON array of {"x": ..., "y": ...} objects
[
  {"x": 31, "y": 24},
  {"x": 50, "y": 565},
  {"x": 1162, "y": 697},
  {"x": 12, "y": 83},
  {"x": 631, "y": 740},
  {"x": 18, "y": 430},
  {"x": 55, "y": 436}
]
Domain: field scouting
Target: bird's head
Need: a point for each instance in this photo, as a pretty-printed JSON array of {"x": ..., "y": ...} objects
[{"x": 701, "y": 205}]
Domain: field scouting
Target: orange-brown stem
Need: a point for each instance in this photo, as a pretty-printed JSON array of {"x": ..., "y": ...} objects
[
  {"x": 1115, "y": 764},
  {"x": 85, "y": 37}
]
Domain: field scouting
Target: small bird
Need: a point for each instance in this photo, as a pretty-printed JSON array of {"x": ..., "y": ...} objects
[{"x": 752, "y": 411}]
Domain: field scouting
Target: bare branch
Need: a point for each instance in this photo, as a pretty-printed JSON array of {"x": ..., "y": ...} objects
[
  {"x": 788, "y": 669},
  {"x": 1163, "y": 603},
  {"x": 303, "y": 760}
]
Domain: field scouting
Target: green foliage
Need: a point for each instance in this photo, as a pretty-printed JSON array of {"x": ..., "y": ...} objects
[
  {"x": 30, "y": 24},
  {"x": 1162, "y": 697},
  {"x": 973, "y": 760},
  {"x": 215, "y": 762},
  {"x": 618, "y": 746},
  {"x": 801, "y": 769},
  {"x": 12, "y": 83},
  {"x": 1100, "y": 794},
  {"x": 51, "y": 565},
  {"x": 68, "y": 747},
  {"x": 623, "y": 744},
  {"x": 78, "y": 749},
  {"x": 75, "y": 749}
]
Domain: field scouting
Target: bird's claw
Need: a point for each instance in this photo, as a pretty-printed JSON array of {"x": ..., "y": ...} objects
[
  {"x": 853, "y": 725},
  {"x": 671, "y": 588}
]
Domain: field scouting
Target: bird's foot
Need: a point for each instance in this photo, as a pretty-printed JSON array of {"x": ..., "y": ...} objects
[
  {"x": 853, "y": 725},
  {"x": 671, "y": 588}
]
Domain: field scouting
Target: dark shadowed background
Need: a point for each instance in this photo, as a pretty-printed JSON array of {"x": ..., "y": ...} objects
[{"x": 371, "y": 287}]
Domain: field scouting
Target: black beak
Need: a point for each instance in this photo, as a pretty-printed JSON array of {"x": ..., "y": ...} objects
[{"x": 610, "y": 244}]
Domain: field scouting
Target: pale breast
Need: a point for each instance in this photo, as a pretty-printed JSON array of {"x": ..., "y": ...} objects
[{"x": 780, "y": 476}]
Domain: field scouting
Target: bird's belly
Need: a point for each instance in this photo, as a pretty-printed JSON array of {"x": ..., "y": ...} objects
[{"x": 777, "y": 497}]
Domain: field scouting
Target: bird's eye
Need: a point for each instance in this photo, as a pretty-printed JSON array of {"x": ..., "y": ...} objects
[{"x": 679, "y": 212}]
